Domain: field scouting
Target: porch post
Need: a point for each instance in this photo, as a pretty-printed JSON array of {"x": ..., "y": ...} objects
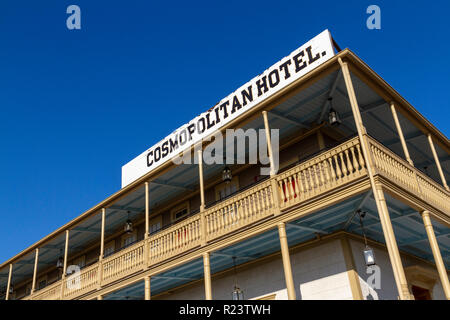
[
  {"x": 269, "y": 143},
  {"x": 273, "y": 183},
  {"x": 207, "y": 275},
  {"x": 63, "y": 277},
  {"x": 33, "y": 285},
  {"x": 147, "y": 226},
  {"x": 286, "y": 261},
  {"x": 102, "y": 249},
  {"x": 100, "y": 297},
  {"x": 147, "y": 212},
  {"x": 147, "y": 287},
  {"x": 436, "y": 253},
  {"x": 400, "y": 134},
  {"x": 438, "y": 163},
  {"x": 9, "y": 281},
  {"x": 394, "y": 255},
  {"x": 202, "y": 198}
]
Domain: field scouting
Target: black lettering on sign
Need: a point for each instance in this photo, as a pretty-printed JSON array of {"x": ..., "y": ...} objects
[
  {"x": 311, "y": 59},
  {"x": 209, "y": 124},
  {"x": 247, "y": 95},
  {"x": 298, "y": 59},
  {"x": 149, "y": 155},
  {"x": 173, "y": 144},
  {"x": 274, "y": 81},
  {"x": 201, "y": 125},
  {"x": 223, "y": 107},
  {"x": 284, "y": 67},
  {"x": 165, "y": 148},
  {"x": 262, "y": 84},
  {"x": 236, "y": 105},
  {"x": 191, "y": 129}
]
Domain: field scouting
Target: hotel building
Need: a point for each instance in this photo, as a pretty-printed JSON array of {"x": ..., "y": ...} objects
[{"x": 356, "y": 205}]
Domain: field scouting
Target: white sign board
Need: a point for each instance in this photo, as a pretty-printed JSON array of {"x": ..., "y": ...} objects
[{"x": 287, "y": 70}]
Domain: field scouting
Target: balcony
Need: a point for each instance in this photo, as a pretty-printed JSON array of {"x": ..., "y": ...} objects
[{"x": 321, "y": 175}]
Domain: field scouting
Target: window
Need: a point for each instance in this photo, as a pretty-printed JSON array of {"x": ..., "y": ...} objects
[
  {"x": 128, "y": 239},
  {"x": 180, "y": 211},
  {"x": 224, "y": 189},
  {"x": 42, "y": 282},
  {"x": 155, "y": 224},
  {"x": 80, "y": 261},
  {"x": 109, "y": 248}
]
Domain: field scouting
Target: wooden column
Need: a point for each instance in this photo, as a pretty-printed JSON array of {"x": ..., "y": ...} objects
[
  {"x": 273, "y": 183},
  {"x": 102, "y": 236},
  {"x": 438, "y": 163},
  {"x": 286, "y": 261},
  {"x": 147, "y": 226},
  {"x": 207, "y": 276},
  {"x": 100, "y": 297},
  {"x": 147, "y": 211},
  {"x": 436, "y": 253},
  {"x": 400, "y": 134},
  {"x": 36, "y": 258},
  {"x": 147, "y": 288},
  {"x": 102, "y": 249},
  {"x": 63, "y": 277},
  {"x": 202, "y": 198},
  {"x": 269, "y": 143},
  {"x": 394, "y": 255},
  {"x": 8, "y": 286}
]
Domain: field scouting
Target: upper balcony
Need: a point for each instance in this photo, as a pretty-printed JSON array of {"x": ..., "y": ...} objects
[{"x": 316, "y": 161}]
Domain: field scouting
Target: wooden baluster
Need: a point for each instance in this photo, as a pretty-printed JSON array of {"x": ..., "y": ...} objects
[
  {"x": 360, "y": 157},
  {"x": 355, "y": 163},
  {"x": 332, "y": 172},
  {"x": 349, "y": 163},
  {"x": 338, "y": 167},
  {"x": 344, "y": 167},
  {"x": 316, "y": 169}
]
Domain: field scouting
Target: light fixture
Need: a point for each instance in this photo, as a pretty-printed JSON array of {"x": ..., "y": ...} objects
[
  {"x": 333, "y": 115},
  {"x": 226, "y": 175},
  {"x": 11, "y": 289},
  {"x": 237, "y": 293},
  {"x": 60, "y": 261},
  {"x": 128, "y": 228},
  {"x": 369, "y": 254}
]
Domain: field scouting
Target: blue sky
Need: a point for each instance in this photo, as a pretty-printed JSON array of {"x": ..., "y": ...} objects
[{"x": 76, "y": 105}]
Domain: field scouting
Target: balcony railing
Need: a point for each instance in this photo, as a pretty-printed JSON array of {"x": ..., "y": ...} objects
[
  {"x": 321, "y": 174},
  {"x": 393, "y": 167}
]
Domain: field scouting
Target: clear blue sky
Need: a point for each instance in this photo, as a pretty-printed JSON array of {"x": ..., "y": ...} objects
[{"x": 77, "y": 105}]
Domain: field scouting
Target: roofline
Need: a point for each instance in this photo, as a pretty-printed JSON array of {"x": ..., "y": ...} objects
[{"x": 357, "y": 66}]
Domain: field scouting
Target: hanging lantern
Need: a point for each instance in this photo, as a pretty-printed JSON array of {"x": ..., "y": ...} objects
[
  {"x": 226, "y": 174},
  {"x": 11, "y": 289},
  {"x": 237, "y": 294},
  {"x": 128, "y": 228},
  {"x": 60, "y": 261},
  {"x": 369, "y": 256},
  {"x": 333, "y": 115}
]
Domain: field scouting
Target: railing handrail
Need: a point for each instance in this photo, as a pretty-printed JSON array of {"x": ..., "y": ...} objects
[{"x": 407, "y": 164}]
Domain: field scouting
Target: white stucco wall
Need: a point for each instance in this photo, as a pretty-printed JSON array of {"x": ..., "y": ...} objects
[
  {"x": 319, "y": 273},
  {"x": 388, "y": 289}
]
